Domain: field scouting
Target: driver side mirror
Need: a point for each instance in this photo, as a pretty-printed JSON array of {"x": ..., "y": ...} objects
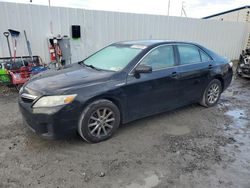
[{"x": 143, "y": 69}]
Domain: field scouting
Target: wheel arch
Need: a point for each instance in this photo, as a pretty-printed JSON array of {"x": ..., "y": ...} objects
[
  {"x": 218, "y": 77},
  {"x": 113, "y": 99}
]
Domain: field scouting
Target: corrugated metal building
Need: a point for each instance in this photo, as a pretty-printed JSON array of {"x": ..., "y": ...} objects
[
  {"x": 241, "y": 14},
  {"x": 100, "y": 28}
]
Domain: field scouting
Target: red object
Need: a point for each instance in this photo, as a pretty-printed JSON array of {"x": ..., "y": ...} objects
[
  {"x": 52, "y": 52},
  {"x": 20, "y": 76},
  {"x": 58, "y": 50}
]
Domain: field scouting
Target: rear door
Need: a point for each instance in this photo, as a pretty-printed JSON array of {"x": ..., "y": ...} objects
[{"x": 194, "y": 71}]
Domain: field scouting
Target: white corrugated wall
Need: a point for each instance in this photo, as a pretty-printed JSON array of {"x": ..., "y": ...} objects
[{"x": 100, "y": 28}]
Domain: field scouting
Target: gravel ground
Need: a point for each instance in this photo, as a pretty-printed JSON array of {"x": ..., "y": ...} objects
[{"x": 190, "y": 147}]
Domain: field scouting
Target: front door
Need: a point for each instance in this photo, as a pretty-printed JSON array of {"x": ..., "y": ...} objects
[{"x": 153, "y": 92}]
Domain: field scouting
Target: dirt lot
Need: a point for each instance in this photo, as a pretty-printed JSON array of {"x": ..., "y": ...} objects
[{"x": 189, "y": 147}]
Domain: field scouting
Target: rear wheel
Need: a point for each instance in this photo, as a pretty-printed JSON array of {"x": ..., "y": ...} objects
[
  {"x": 212, "y": 93},
  {"x": 99, "y": 121}
]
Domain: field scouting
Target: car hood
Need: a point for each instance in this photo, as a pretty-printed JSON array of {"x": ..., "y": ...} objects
[{"x": 71, "y": 76}]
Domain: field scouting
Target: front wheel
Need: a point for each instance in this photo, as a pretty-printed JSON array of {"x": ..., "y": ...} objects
[
  {"x": 99, "y": 121},
  {"x": 212, "y": 93}
]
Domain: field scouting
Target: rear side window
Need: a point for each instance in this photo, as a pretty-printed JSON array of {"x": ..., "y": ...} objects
[
  {"x": 159, "y": 58},
  {"x": 189, "y": 54},
  {"x": 204, "y": 56}
]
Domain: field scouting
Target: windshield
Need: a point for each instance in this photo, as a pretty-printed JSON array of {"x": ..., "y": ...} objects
[{"x": 113, "y": 58}]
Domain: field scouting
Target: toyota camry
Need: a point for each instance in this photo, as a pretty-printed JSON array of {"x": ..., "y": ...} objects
[{"x": 120, "y": 83}]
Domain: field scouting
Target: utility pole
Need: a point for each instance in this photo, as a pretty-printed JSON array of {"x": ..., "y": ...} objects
[
  {"x": 168, "y": 6},
  {"x": 50, "y": 23},
  {"x": 183, "y": 9}
]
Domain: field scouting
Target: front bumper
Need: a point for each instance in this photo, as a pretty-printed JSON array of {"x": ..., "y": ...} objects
[{"x": 51, "y": 123}]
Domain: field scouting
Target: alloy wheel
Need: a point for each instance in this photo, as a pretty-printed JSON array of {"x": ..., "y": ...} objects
[
  {"x": 213, "y": 93},
  {"x": 101, "y": 122}
]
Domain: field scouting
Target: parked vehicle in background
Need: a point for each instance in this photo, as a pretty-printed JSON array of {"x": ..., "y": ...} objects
[
  {"x": 243, "y": 68},
  {"x": 120, "y": 83}
]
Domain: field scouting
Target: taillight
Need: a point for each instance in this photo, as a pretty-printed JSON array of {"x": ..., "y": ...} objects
[{"x": 231, "y": 64}]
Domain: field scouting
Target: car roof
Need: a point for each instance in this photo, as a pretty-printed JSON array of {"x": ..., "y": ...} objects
[{"x": 151, "y": 42}]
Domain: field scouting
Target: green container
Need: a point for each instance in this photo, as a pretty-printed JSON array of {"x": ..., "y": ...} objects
[{"x": 4, "y": 76}]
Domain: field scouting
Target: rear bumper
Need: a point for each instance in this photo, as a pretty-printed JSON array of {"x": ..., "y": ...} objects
[
  {"x": 50, "y": 123},
  {"x": 227, "y": 79}
]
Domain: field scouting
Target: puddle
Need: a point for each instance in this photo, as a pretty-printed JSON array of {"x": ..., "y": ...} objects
[
  {"x": 236, "y": 114},
  {"x": 240, "y": 119},
  {"x": 179, "y": 130},
  {"x": 151, "y": 180}
]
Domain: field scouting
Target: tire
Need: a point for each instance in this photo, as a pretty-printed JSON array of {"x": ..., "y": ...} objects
[
  {"x": 101, "y": 115},
  {"x": 212, "y": 92}
]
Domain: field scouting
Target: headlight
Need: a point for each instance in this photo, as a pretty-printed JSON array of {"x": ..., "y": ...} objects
[
  {"x": 231, "y": 64},
  {"x": 242, "y": 65},
  {"x": 21, "y": 90},
  {"x": 57, "y": 100}
]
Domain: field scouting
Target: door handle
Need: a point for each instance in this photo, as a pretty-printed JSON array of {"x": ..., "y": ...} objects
[
  {"x": 174, "y": 75},
  {"x": 210, "y": 66}
]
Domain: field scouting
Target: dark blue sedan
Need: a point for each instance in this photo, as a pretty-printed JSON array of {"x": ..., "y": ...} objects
[{"x": 120, "y": 83}]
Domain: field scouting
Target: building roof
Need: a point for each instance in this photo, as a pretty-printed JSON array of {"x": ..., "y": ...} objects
[{"x": 225, "y": 12}]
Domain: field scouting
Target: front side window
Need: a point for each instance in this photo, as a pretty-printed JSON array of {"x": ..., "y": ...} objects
[
  {"x": 113, "y": 58},
  {"x": 189, "y": 54},
  {"x": 159, "y": 58}
]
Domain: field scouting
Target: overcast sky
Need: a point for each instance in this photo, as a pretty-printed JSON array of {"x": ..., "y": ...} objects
[{"x": 193, "y": 8}]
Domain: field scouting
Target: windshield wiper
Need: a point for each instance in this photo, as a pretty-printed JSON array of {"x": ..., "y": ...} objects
[{"x": 91, "y": 66}]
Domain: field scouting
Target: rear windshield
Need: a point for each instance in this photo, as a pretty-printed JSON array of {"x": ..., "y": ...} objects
[{"x": 114, "y": 58}]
